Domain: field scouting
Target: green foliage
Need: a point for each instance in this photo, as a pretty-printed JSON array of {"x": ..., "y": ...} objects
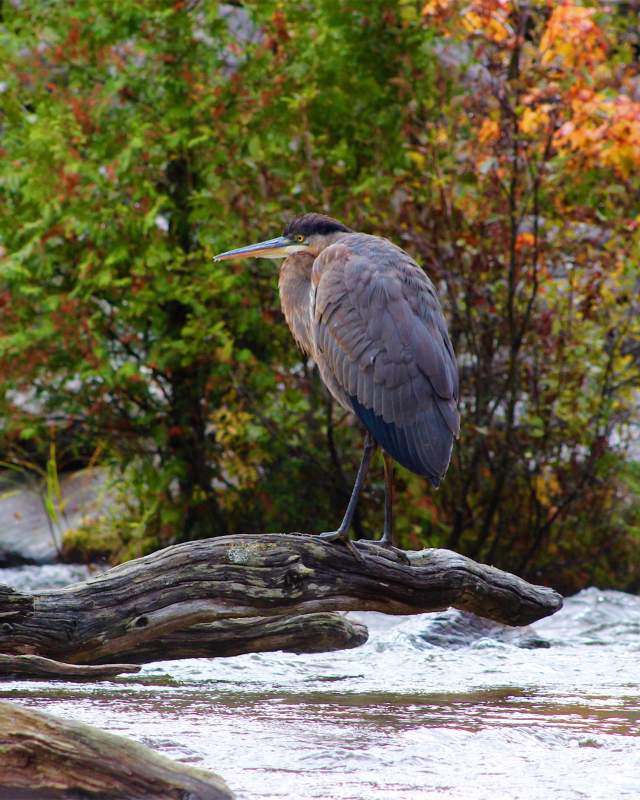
[{"x": 138, "y": 139}]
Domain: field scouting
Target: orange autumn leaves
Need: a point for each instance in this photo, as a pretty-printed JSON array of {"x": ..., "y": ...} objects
[
  {"x": 589, "y": 103},
  {"x": 603, "y": 129},
  {"x": 602, "y": 117},
  {"x": 573, "y": 35},
  {"x": 486, "y": 18}
]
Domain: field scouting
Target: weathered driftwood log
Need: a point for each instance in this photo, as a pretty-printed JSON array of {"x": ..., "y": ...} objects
[
  {"x": 308, "y": 633},
  {"x": 42, "y": 757},
  {"x": 47, "y": 668},
  {"x": 139, "y": 603}
]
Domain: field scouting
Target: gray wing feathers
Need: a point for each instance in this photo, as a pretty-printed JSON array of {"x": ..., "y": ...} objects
[{"x": 381, "y": 337}]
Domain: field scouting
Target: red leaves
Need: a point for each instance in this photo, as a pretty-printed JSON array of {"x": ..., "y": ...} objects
[
  {"x": 280, "y": 25},
  {"x": 54, "y": 230},
  {"x": 524, "y": 241},
  {"x": 73, "y": 47},
  {"x": 68, "y": 184}
]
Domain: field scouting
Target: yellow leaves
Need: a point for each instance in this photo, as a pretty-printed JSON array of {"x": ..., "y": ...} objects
[
  {"x": 489, "y": 131},
  {"x": 467, "y": 204},
  {"x": 417, "y": 158},
  {"x": 227, "y": 424},
  {"x": 547, "y": 488},
  {"x": 616, "y": 285},
  {"x": 240, "y": 461},
  {"x": 535, "y": 120},
  {"x": 434, "y": 8},
  {"x": 573, "y": 37},
  {"x": 622, "y": 149},
  {"x": 489, "y": 19},
  {"x": 441, "y": 135}
]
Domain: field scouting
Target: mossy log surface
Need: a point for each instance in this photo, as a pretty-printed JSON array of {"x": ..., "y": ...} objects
[
  {"x": 180, "y": 601},
  {"x": 44, "y": 757}
]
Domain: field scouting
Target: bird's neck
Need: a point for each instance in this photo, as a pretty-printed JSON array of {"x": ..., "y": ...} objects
[{"x": 294, "y": 285}]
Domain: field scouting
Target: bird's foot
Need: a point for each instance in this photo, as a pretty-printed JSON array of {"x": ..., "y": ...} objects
[
  {"x": 387, "y": 546},
  {"x": 342, "y": 537},
  {"x": 335, "y": 536}
]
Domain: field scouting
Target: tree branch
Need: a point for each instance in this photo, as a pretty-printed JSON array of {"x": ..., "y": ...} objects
[
  {"x": 309, "y": 633},
  {"x": 46, "y": 668}
]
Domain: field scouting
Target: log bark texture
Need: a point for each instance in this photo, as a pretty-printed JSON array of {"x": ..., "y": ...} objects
[
  {"x": 304, "y": 633},
  {"x": 308, "y": 633},
  {"x": 43, "y": 757},
  {"x": 133, "y": 607}
]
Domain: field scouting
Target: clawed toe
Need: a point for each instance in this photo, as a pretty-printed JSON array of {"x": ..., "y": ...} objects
[
  {"x": 334, "y": 536},
  {"x": 387, "y": 547},
  {"x": 342, "y": 537}
]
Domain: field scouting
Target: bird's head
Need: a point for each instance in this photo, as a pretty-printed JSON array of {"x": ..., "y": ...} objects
[{"x": 310, "y": 233}]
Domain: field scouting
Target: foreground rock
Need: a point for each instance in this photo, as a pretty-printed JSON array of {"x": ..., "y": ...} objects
[
  {"x": 169, "y": 604},
  {"x": 42, "y": 757}
]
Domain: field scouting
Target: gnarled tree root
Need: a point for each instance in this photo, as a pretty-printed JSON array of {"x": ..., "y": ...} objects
[
  {"x": 43, "y": 757},
  {"x": 196, "y": 599}
]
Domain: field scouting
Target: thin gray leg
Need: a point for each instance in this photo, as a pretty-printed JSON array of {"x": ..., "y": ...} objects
[
  {"x": 342, "y": 534},
  {"x": 386, "y": 542},
  {"x": 389, "y": 489}
]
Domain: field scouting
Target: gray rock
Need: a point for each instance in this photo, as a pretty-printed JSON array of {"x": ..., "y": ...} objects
[
  {"x": 453, "y": 629},
  {"x": 27, "y": 534}
]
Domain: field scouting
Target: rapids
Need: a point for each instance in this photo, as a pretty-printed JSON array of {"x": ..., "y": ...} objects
[{"x": 438, "y": 705}]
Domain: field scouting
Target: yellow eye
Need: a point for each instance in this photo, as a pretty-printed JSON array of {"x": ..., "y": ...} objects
[{"x": 299, "y": 237}]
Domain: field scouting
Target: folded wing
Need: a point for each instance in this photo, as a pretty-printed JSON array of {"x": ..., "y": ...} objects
[{"x": 382, "y": 347}]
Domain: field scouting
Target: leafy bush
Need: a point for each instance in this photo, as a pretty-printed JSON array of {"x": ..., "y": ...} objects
[{"x": 495, "y": 143}]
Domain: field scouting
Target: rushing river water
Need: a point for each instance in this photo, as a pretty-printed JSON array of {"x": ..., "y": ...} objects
[{"x": 429, "y": 707}]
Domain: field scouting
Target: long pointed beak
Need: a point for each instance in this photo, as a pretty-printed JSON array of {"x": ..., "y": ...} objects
[{"x": 280, "y": 247}]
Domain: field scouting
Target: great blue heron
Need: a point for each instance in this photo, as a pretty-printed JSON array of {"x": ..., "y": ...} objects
[{"x": 370, "y": 319}]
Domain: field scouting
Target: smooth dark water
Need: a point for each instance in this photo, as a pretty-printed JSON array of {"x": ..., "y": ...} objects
[{"x": 422, "y": 710}]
